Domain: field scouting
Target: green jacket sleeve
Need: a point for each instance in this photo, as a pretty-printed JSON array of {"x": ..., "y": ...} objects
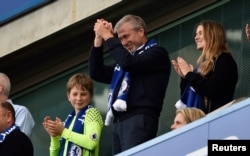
[{"x": 54, "y": 146}]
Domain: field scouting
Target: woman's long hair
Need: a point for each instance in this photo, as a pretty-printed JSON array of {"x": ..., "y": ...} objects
[{"x": 215, "y": 43}]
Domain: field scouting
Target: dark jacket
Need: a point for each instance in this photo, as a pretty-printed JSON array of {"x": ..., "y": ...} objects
[
  {"x": 218, "y": 85},
  {"x": 15, "y": 144},
  {"x": 149, "y": 71}
]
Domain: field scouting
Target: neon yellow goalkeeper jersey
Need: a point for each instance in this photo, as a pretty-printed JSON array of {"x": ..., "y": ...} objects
[{"x": 89, "y": 140}]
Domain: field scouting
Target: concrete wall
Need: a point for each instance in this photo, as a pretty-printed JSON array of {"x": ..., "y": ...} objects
[{"x": 47, "y": 20}]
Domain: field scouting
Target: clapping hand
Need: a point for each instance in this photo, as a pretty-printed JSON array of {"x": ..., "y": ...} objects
[
  {"x": 54, "y": 128},
  {"x": 248, "y": 31},
  {"x": 182, "y": 67}
]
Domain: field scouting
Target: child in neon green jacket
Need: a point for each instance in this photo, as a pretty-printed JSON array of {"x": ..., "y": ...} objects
[{"x": 81, "y": 132}]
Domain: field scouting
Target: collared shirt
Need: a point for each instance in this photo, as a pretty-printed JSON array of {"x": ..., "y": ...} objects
[
  {"x": 132, "y": 53},
  {"x": 24, "y": 118}
]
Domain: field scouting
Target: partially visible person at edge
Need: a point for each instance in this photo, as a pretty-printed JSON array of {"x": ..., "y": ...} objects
[
  {"x": 24, "y": 118},
  {"x": 186, "y": 115},
  {"x": 138, "y": 79},
  {"x": 247, "y": 31},
  {"x": 13, "y": 141},
  {"x": 216, "y": 75},
  {"x": 81, "y": 132}
]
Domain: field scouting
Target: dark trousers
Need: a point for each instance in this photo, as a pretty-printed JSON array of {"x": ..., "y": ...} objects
[{"x": 133, "y": 131}]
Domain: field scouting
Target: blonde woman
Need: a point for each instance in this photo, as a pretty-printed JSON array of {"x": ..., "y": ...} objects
[
  {"x": 185, "y": 116},
  {"x": 216, "y": 75}
]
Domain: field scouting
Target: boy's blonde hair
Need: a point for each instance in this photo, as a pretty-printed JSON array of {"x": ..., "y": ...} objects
[{"x": 82, "y": 80}]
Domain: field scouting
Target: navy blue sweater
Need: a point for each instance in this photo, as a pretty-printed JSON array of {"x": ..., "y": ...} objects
[
  {"x": 15, "y": 144},
  {"x": 149, "y": 71}
]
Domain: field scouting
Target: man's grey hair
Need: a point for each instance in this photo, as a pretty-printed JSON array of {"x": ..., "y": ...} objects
[{"x": 135, "y": 21}]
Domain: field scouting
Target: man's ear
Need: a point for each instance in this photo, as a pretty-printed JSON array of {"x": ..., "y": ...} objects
[
  {"x": 8, "y": 116},
  {"x": 141, "y": 30},
  {"x": 1, "y": 88}
]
